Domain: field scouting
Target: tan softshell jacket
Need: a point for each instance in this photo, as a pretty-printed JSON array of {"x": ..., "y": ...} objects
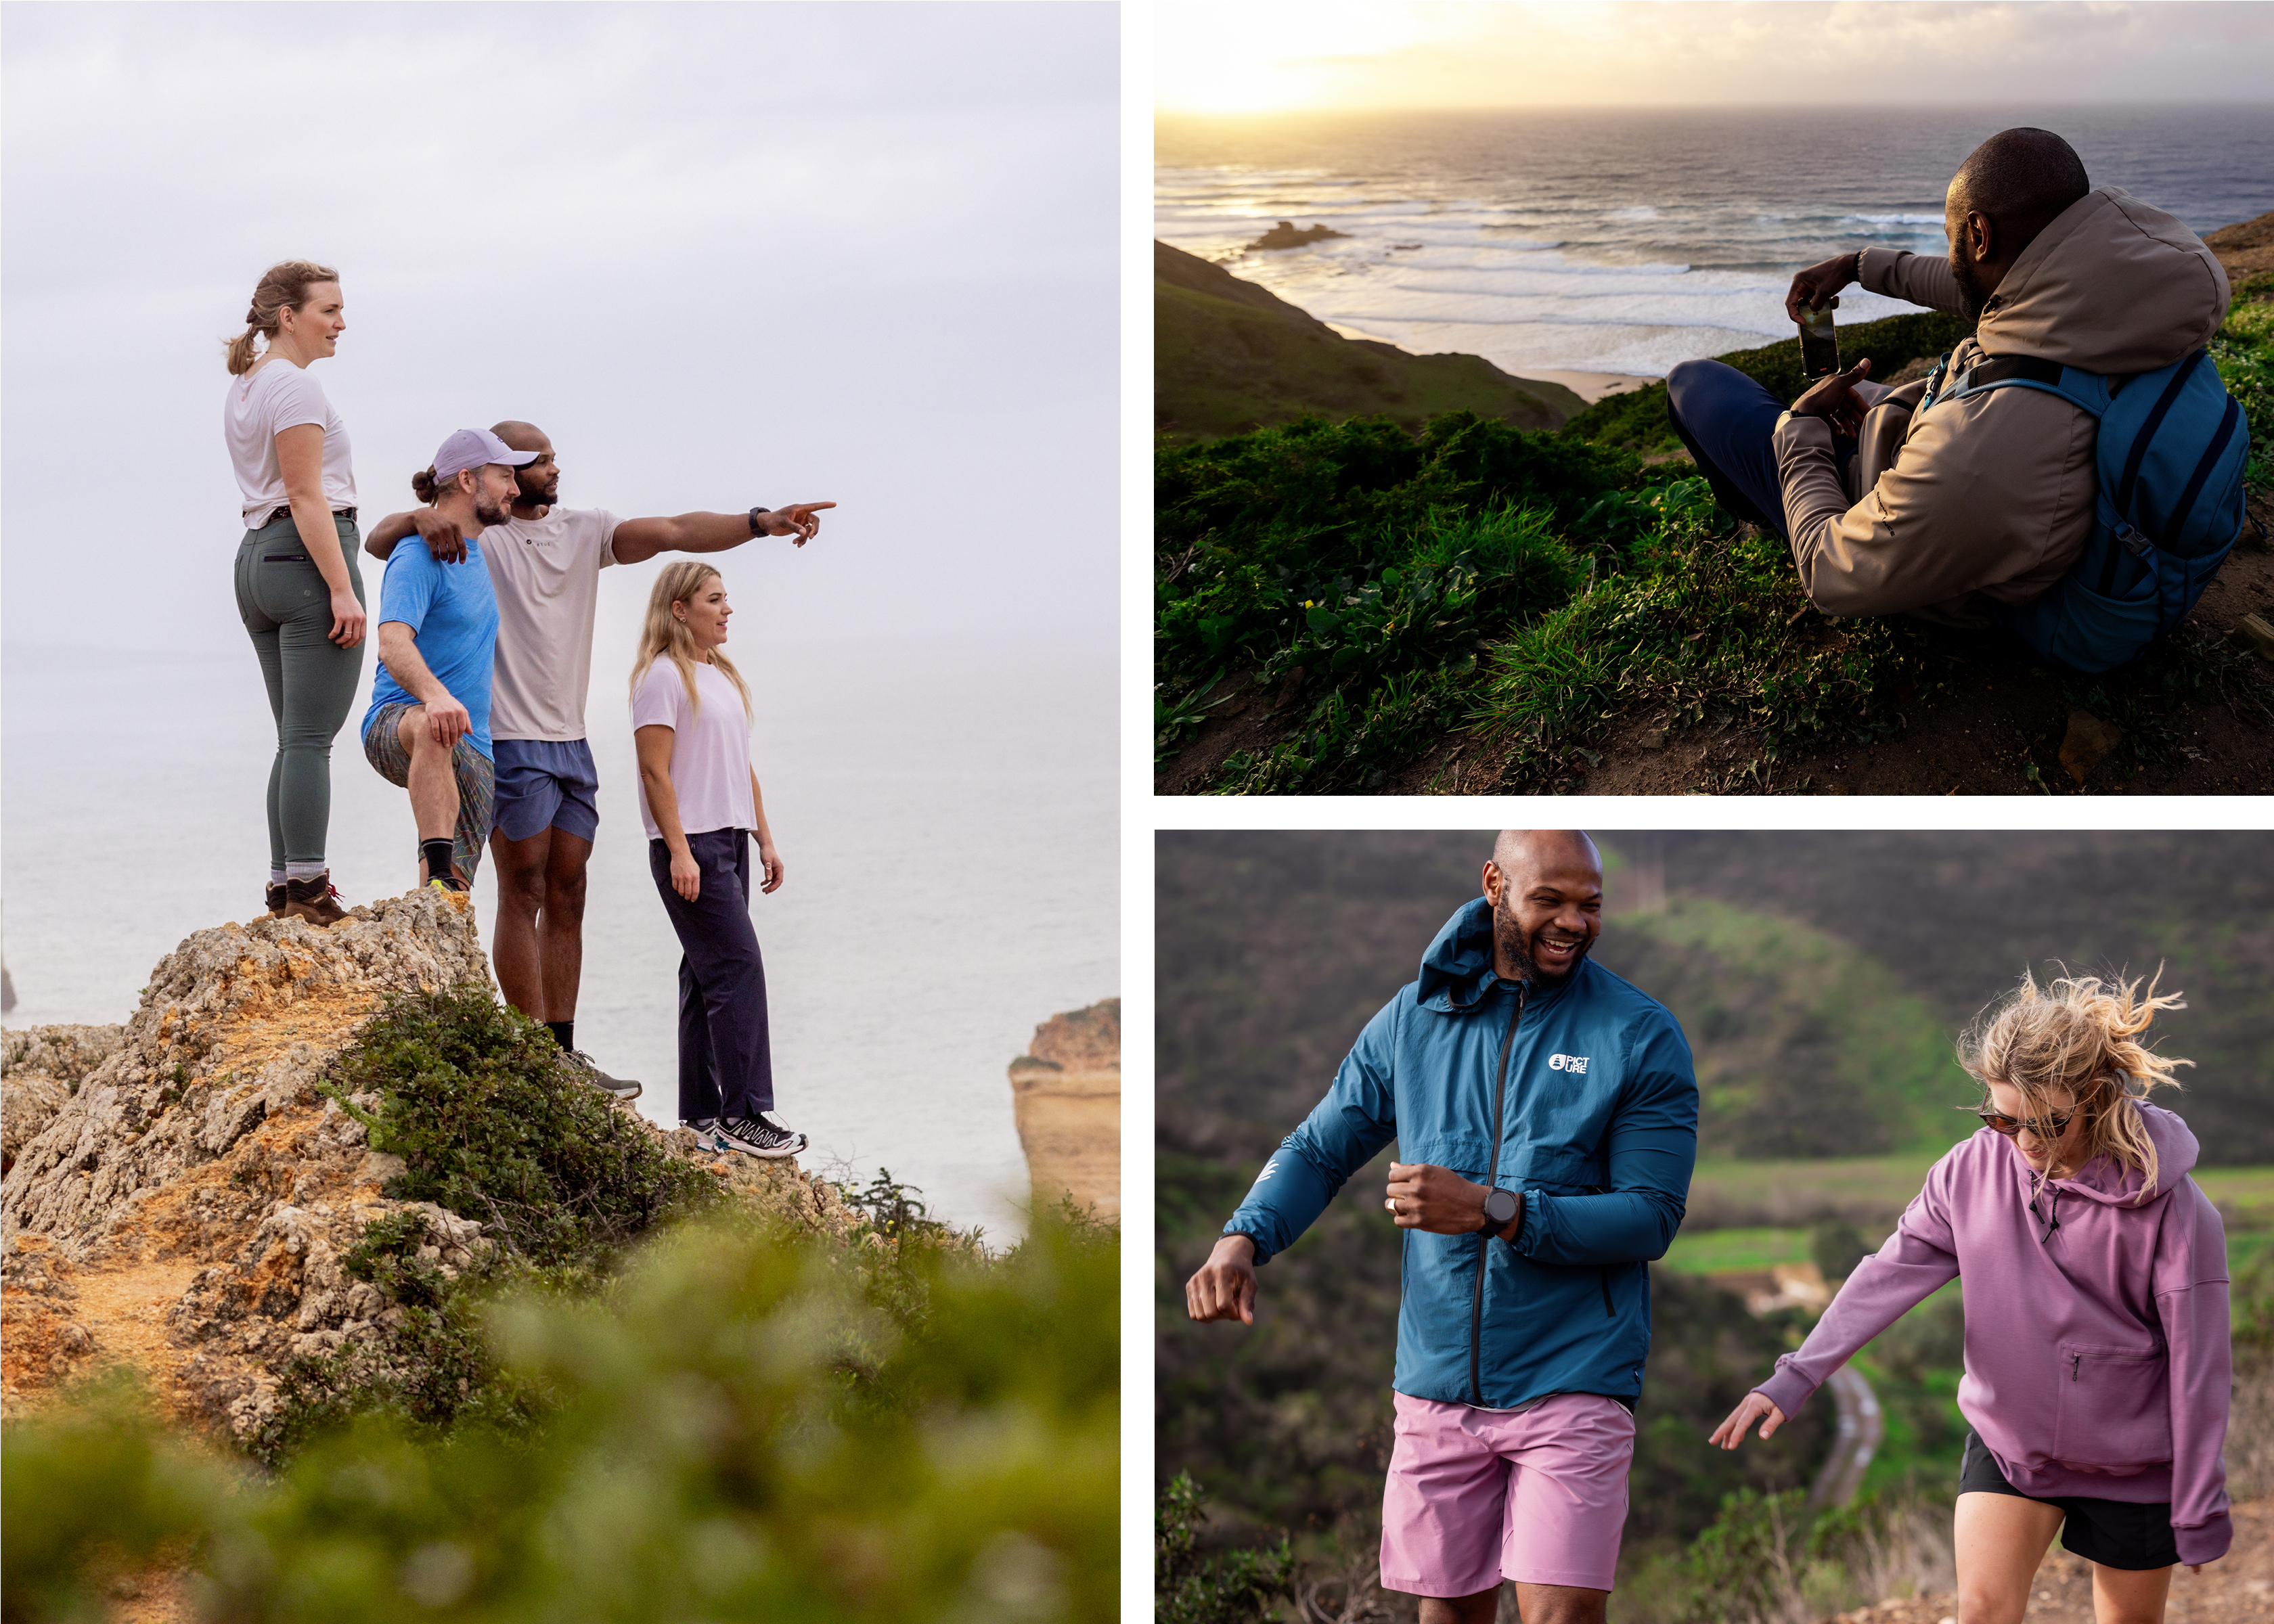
[{"x": 1991, "y": 497}]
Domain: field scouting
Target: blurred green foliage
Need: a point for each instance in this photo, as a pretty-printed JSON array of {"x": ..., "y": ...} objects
[
  {"x": 735, "y": 1429},
  {"x": 2244, "y": 354},
  {"x": 1194, "y": 1586}
]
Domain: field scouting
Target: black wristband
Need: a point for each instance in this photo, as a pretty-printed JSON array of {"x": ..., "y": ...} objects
[{"x": 755, "y": 512}]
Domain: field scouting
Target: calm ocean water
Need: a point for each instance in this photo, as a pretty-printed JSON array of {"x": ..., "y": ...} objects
[
  {"x": 1626, "y": 242},
  {"x": 947, "y": 814}
]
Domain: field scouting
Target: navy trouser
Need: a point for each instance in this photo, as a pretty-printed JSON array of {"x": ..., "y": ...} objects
[
  {"x": 726, "y": 1060},
  {"x": 1728, "y": 422}
]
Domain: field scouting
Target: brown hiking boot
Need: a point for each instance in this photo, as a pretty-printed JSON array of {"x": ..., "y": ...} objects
[
  {"x": 275, "y": 902},
  {"x": 313, "y": 899}
]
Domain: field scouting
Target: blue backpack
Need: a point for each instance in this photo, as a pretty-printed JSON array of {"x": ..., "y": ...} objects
[{"x": 2171, "y": 450}]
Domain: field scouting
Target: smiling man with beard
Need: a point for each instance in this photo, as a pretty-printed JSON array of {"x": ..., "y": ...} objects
[{"x": 1547, "y": 1114}]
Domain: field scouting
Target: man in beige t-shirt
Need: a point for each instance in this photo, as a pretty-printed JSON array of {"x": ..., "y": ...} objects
[{"x": 544, "y": 562}]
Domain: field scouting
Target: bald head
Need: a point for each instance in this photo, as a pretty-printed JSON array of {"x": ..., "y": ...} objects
[
  {"x": 2009, "y": 189},
  {"x": 1546, "y": 886},
  {"x": 539, "y": 482}
]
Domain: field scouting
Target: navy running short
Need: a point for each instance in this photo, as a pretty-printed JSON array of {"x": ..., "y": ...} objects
[{"x": 546, "y": 784}]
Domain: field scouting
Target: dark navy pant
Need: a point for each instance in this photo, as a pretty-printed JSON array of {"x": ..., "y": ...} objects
[
  {"x": 1728, "y": 422},
  {"x": 726, "y": 1060}
]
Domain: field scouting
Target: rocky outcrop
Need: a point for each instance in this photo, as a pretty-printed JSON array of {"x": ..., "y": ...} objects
[
  {"x": 2246, "y": 249},
  {"x": 179, "y": 1195},
  {"x": 1285, "y": 235},
  {"x": 1067, "y": 1091}
]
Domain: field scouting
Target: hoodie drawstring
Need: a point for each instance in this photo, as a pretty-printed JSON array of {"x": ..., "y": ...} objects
[{"x": 2051, "y": 1218}]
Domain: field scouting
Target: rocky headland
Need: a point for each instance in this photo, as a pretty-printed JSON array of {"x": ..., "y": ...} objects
[
  {"x": 178, "y": 1193},
  {"x": 1230, "y": 356},
  {"x": 1067, "y": 1090},
  {"x": 1284, "y": 234}
]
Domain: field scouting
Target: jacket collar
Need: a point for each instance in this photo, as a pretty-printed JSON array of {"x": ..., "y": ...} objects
[{"x": 1456, "y": 972}]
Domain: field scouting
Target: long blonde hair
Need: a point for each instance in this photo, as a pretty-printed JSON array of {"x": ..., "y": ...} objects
[
  {"x": 2079, "y": 1035},
  {"x": 663, "y": 632},
  {"x": 283, "y": 287}
]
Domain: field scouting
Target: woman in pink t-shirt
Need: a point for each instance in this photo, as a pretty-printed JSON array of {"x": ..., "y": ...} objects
[{"x": 700, "y": 801}]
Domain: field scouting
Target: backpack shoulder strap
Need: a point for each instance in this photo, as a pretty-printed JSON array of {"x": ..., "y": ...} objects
[{"x": 2086, "y": 391}]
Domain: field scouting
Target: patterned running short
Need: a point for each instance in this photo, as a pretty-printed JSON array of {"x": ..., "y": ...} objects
[{"x": 382, "y": 748}]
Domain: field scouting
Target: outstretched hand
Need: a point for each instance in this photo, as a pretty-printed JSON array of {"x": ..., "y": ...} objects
[
  {"x": 1835, "y": 399},
  {"x": 1754, "y": 1407},
  {"x": 1815, "y": 286},
  {"x": 801, "y": 520}
]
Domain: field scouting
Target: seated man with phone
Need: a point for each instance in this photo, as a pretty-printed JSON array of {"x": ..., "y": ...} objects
[{"x": 1984, "y": 502}]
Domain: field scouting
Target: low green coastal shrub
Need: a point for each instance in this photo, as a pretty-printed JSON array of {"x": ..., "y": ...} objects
[
  {"x": 734, "y": 1431},
  {"x": 1365, "y": 592},
  {"x": 1194, "y": 1586}
]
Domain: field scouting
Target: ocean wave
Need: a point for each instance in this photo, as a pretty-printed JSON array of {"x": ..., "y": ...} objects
[{"x": 1894, "y": 220}]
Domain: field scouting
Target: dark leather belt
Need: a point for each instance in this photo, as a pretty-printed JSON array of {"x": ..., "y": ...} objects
[{"x": 348, "y": 514}]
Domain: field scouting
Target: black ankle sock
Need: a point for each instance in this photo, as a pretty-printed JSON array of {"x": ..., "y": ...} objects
[
  {"x": 437, "y": 854},
  {"x": 564, "y": 1033}
]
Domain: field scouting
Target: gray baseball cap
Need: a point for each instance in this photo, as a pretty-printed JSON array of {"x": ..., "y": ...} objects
[{"x": 474, "y": 449}]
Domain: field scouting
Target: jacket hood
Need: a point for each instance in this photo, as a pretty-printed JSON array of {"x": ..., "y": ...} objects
[
  {"x": 2111, "y": 286},
  {"x": 2105, "y": 1179},
  {"x": 1457, "y": 970}
]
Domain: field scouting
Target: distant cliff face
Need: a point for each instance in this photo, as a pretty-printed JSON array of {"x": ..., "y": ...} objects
[
  {"x": 1230, "y": 356},
  {"x": 177, "y": 1194},
  {"x": 1067, "y": 1091}
]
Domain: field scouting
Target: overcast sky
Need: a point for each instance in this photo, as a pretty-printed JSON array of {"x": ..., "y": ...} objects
[
  {"x": 723, "y": 255},
  {"x": 1261, "y": 56}
]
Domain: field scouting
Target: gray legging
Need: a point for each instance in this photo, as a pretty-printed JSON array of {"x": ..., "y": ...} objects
[{"x": 285, "y": 606}]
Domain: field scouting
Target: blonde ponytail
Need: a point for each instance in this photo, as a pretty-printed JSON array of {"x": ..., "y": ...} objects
[
  {"x": 284, "y": 286},
  {"x": 2079, "y": 1035}
]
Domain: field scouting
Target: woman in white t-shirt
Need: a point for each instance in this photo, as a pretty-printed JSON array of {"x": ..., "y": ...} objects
[
  {"x": 298, "y": 590},
  {"x": 700, "y": 801}
]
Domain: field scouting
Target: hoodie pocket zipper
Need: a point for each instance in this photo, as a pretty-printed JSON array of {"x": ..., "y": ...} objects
[
  {"x": 1603, "y": 1273},
  {"x": 1484, "y": 1239}
]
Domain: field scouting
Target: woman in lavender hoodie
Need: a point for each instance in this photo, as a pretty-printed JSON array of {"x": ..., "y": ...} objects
[{"x": 2097, "y": 1361}]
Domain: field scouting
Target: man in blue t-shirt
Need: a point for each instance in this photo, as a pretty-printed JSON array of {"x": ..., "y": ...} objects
[{"x": 428, "y": 728}]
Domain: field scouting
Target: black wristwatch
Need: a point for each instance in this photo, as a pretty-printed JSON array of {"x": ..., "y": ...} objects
[
  {"x": 1501, "y": 1208},
  {"x": 755, "y": 512}
]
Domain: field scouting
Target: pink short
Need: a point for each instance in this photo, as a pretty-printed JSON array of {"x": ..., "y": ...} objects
[{"x": 1476, "y": 1496}]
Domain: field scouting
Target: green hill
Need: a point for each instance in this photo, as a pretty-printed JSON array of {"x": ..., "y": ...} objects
[
  {"x": 1229, "y": 357},
  {"x": 1805, "y": 1046}
]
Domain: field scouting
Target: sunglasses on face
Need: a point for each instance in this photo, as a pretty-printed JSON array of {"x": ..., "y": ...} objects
[{"x": 2047, "y": 1127}]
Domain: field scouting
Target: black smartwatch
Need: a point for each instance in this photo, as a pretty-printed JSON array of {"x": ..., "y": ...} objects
[
  {"x": 755, "y": 512},
  {"x": 1501, "y": 1208}
]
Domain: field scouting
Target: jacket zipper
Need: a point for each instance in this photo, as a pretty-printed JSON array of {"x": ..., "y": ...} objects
[
  {"x": 1484, "y": 1239},
  {"x": 1603, "y": 1273}
]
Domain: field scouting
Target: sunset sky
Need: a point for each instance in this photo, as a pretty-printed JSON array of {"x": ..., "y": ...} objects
[{"x": 1270, "y": 55}]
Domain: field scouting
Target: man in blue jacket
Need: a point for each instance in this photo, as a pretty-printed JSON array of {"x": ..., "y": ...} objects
[{"x": 1548, "y": 1115}]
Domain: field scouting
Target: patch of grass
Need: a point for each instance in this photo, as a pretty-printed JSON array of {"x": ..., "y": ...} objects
[
  {"x": 1538, "y": 588},
  {"x": 1731, "y": 1252}
]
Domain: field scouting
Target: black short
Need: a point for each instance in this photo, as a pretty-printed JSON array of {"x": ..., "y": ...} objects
[{"x": 2131, "y": 1535}]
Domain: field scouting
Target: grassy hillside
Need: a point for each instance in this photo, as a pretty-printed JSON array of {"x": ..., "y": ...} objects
[
  {"x": 1229, "y": 357},
  {"x": 1336, "y": 601},
  {"x": 1805, "y": 1046}
]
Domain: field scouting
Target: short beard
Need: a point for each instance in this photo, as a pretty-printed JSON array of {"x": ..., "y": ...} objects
[
  {"x": 529, "y": 498},
  {"x": 1508, "y": 939},
  {"x": 1971, "y": 298},
  {"x": 490, "y": 513}
]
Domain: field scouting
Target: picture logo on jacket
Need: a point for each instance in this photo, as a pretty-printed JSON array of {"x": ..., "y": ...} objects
[{"x": 1567, "y": 1063}]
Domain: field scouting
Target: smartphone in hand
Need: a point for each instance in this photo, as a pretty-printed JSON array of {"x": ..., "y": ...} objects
[{"x": 1820, "y": 345}]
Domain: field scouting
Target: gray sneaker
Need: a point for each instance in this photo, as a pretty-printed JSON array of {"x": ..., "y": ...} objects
[
  {"x": 623, "y": 1089},
  {"x": 705, "y": 1131}
]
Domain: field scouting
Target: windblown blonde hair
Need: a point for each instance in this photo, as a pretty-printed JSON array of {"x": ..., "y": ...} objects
[
  {"x": 283, "y": 287},
  {"x": 2079, "y": 1035},
  {"x": 664, "y": 633}
]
